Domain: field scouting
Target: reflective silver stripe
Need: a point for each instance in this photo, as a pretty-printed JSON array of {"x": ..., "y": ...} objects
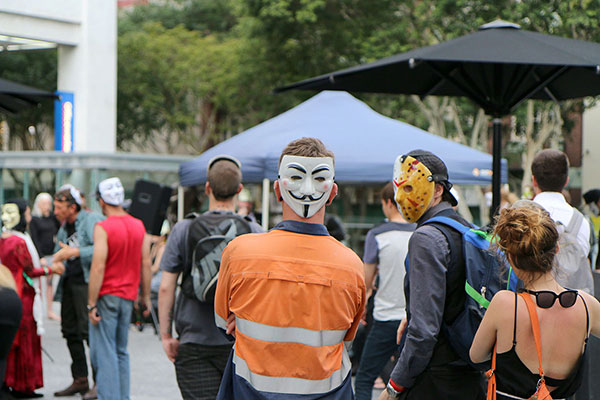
[
  {"x": 220, "y": 322},
  {"x": 278, "y": 334},
  {"x": 287, "y": 385}
]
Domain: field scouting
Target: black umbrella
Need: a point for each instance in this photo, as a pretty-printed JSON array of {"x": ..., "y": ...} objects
[
  {"x": 14, "y": 96},
  {"x": 497, "y": 67}
]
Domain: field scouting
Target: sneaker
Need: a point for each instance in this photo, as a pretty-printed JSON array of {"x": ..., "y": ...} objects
[{"x": 79, "y": 385}]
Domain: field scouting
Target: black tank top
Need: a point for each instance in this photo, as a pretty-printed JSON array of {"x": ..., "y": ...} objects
[{"x": 513, "y": 377}]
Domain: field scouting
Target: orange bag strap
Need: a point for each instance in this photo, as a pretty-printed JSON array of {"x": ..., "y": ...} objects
[
  {"x": 491, "y": 375},
  {"x": 535, "y": 326}
]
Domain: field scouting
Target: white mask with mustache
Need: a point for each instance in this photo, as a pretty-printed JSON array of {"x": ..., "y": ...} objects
[{"x": 306, "y": 183}]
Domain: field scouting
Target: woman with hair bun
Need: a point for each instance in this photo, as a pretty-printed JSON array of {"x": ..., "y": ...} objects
[{"x": 527, "y": 235}]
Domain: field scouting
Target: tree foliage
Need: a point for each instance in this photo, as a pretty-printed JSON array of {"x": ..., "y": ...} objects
[{"x": 194, "y": 72}]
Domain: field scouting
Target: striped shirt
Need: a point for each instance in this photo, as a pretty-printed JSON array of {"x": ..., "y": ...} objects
[{"x": 298, "y": 295}]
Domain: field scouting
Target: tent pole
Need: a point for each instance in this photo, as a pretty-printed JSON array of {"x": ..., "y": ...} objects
[
  {"x": 497, "y": 157},
  {"x": 265, "y": 203},
  {"x": 180, "y": 194}
]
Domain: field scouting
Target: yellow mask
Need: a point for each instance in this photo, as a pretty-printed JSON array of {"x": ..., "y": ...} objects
[
  {"x": 413, "y": 187},
  {"x": 10, "y": 215}
]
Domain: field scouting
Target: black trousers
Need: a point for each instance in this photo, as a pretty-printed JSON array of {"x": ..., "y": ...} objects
[
  {"x": 449, "y": 383},
  {"x": 199, "y": 370},
  {"x": 74, "y": 322},
  {"x": 10, "y": 319}
]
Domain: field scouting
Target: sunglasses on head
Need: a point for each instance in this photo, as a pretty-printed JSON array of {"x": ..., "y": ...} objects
[{"x": 546, "y": 298}]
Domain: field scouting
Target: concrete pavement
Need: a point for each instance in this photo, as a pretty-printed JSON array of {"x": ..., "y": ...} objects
[{"x": 152, "y": 374}]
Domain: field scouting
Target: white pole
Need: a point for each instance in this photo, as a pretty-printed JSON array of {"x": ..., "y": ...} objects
[
  {"x": 265, "y": 203},
  {"x": 180, "y": 194}
]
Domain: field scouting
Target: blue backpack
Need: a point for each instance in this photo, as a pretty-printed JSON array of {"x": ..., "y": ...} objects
[{"x": 485, "y": 275}]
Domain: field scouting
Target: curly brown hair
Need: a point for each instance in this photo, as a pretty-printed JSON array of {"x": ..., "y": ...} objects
[{"x": 527, "y": 234}]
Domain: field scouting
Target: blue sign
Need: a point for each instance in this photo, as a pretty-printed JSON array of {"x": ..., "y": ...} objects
[{"x": 64, "y": 112}]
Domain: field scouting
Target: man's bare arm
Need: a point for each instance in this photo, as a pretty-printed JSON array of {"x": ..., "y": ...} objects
[
  {"x": 97, "y": 269},
  {"x": 166, "y": 299},
  {"x": 146, "y": 274}
]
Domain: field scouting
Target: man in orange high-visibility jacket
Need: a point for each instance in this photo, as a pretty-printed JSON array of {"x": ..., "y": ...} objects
[{"x": 293, "y": 296}]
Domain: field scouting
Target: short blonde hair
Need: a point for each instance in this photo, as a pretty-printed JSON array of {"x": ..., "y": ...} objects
[
  {"x": 306, "y": 147},
  {"x": 6, "y": 278}
]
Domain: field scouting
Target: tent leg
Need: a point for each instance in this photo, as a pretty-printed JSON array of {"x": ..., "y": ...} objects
[
  {"x": 497, "y": 158},
  {"x": 265, "y": 203},
  {"x": 180, "y": 194}
]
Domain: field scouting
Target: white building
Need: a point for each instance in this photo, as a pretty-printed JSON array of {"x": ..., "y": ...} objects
[{"x": 85, "y": 32}]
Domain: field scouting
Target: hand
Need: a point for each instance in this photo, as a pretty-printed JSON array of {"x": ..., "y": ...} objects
[
  {"x": 401, "y": 329},
  {"x": 385, "y": 396},
  {"x": 230, "y": 325},
  {"x": 148, "y": 305},
  {"x": 363, "y": 318},
  {"x": 44, "y": 262},
  {"x": 170, "y": 346},
  {"x": 64, "y": 253},
  {"x": 57, "y": 268},
  {"x": 94, "y": 317}
]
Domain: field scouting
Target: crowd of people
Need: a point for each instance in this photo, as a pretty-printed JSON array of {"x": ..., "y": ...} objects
[{"x": 247, "y": 314}]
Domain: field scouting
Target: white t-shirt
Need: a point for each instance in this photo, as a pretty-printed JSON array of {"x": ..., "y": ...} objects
[{"x": 387, "y": 245}]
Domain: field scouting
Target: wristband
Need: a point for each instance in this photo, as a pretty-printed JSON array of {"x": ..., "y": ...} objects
[
  {"x": 46, "y": 270},
  {"x": 91, "y": 308},
  {"x": 393, "y": 390}
]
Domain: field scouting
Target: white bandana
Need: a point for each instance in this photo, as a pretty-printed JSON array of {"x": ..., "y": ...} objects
[{"x": 306, "y": 183}]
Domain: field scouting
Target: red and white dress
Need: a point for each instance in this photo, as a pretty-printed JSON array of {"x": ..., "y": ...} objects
[{"x": 24, "y": 362}]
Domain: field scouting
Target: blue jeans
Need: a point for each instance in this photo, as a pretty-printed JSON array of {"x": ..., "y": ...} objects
[
  {"x": 108, "y": 347},
  {"x": 379, "y": 347}
]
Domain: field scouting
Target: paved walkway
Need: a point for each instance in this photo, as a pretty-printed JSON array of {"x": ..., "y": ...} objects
[{"x": 152, "y": 374}]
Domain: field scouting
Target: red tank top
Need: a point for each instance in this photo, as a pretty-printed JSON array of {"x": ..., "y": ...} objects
[{"x": 123, "y": 263}]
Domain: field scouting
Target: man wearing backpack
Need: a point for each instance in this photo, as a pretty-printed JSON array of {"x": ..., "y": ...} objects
[
  {"x": 428, "y": 366},
  {"x": 201, "y": 350},
  {"x": 550, "y": 175},
  {"x": 296, "y": 294}
]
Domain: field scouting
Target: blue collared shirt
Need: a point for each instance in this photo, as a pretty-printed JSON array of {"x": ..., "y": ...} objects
[{"x": 302, "y": 227}]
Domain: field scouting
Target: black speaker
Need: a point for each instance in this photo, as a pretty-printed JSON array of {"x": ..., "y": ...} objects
[{"x": 150, "y": 202}]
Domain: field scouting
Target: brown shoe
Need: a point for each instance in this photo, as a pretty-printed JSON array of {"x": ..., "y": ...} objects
[
  {"x": 79, "y": 385},
  {"x": 91, "y": 394}
]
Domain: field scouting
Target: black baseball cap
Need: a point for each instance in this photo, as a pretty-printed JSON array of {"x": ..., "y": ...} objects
[{"x": 438, "y": 170}]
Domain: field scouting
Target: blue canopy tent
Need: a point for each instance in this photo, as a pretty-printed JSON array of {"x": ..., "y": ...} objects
[{"x": 365, "y": 144}]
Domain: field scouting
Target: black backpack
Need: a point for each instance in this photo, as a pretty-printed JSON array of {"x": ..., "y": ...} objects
[{"x": 208, "y": 234}]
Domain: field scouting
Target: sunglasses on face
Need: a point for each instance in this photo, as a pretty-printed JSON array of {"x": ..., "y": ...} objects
[{"x": 546, "y": 298}]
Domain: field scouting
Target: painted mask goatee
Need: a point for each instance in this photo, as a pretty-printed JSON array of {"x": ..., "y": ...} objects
[{"x": 306, "y": 183}]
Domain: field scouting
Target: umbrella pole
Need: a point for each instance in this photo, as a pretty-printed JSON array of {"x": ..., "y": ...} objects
[
  {"x": 497, "y": 158},
  {"x": 265, "y": 203}
]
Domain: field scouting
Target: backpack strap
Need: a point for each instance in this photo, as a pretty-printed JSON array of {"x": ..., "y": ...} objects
[
  {"x": 440, "y": 222},
  {"x": 535, "y": 326},
  {"x": 452, "y": 223},
  {"x": 575, "y": 222}
]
